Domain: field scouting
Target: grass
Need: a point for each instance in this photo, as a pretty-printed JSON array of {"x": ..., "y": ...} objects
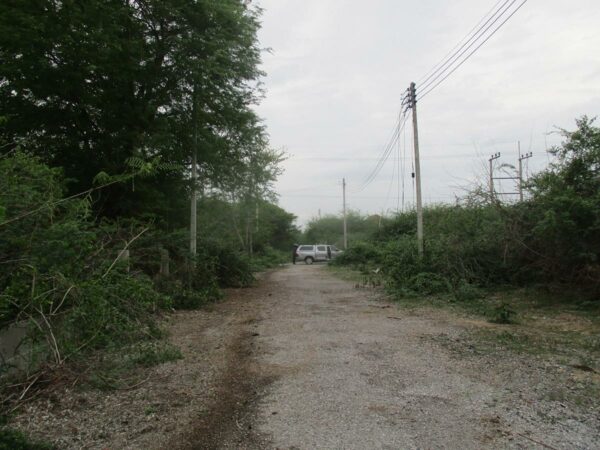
[
  {"x": 346, "y": 274},
  {"x": 541, "y": 321},
  {"x": 119, "y": 370}
]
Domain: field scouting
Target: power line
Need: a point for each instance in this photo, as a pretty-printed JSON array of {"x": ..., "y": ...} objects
[
  {"x": 474, "y": 37},
  {"x": 459, "y": 44},
  {"x": 403, "y": 165},
  {"x": 473, "y": 52},
  {"x": 381, "y": 159},
  {"x": 384, "y": 157},
  {"x": 387, "y": 197}
]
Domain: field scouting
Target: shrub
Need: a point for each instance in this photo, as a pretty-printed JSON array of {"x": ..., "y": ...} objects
[
  {"x": 503, "y": 314},
  {"x": 359, "y": 254},
  {"x": 466, "y": 292},
  {"x": 15, "y": 440}
]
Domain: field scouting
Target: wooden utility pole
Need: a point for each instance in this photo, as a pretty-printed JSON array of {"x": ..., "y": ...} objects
[
  {"x": 194, "y": 199},
  {"x": 413, "y": 105},
  {"x": 521, "y": 158},
  {"x": 345, "y": 225}
]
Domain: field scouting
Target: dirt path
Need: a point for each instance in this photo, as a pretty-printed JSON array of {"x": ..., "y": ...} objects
[{"x": 307, "y": 361}]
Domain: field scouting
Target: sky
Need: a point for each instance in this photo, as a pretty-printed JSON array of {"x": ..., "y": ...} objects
[{"x": 337, "y": 69}]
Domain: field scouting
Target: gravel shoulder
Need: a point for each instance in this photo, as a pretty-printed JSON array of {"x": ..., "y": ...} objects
[{"x": 307, "y": 361}]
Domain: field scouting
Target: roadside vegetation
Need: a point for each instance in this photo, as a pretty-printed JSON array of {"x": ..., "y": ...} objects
[
  {"x": 532, "y": 265},
  {"x": 101, "y": 108}
]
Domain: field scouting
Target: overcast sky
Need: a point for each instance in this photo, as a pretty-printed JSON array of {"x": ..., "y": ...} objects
[{"x": 338, "y": 69}]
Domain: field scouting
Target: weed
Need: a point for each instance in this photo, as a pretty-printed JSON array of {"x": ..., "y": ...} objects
[
  {"x": 155, "y": 353},
  {"x": 466, "y": 292},
  {"x": 116, "y": 369},
  {"x": 503, "y": 314}
]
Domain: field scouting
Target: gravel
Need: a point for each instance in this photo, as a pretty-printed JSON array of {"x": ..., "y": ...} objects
[{"x": 306, "y": 361}]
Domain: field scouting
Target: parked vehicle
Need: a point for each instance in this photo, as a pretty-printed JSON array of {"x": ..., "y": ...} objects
[
  {"x": 335, "y": 251},
  {"x": 318, "y": 252}
]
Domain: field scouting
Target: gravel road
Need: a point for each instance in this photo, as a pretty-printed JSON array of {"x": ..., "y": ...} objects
[
  {"x": 353, "y": 373},
  {"x": 307, "y": 361}
]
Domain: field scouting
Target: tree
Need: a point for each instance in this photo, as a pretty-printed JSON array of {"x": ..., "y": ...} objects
[
  {"x": 89, "y": 85},
  {"x": 563, "y": 215}
]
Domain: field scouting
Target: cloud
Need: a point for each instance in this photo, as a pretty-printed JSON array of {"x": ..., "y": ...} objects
[{"x": 339, "y": 67}]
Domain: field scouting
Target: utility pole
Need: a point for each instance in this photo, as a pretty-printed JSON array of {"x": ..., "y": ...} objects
[
  {"x": 413, "y": 106},
  {"x": 521, "y": 158},
  {"x": 256, "y": 229},
  {"x": 345, "y": 225},
  {"x": 491, "y": 161},
  {"x": 194, "y": 200}
]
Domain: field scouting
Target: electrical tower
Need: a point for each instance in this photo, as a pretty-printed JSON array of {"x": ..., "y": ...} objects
[
  {"x": 518, "y": 178},
  {"x": 491, "y": 161},
  {"x": 521, "y": 159}
]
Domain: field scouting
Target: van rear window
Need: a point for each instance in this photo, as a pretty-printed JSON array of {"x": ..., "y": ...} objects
[{"x": 305, "y": 248}]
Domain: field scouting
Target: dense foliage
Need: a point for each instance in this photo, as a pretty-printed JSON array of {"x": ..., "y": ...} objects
[
  {"x": 95, "y": 87},
  {"x": 103, "y": 105},
  {"x": 329, "y": 229},
  {"x": 550, "y": 238}
]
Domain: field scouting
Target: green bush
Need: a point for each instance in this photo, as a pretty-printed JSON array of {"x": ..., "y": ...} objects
[
  {"x": 15, "y": 440},
  {"x": 552, "y": 237},
  {"x": 359, "y": 255},
  {"x": 60, "y": 274},
  {"x": 466, "y": 292},
  {"x": 503, "y": 314}
]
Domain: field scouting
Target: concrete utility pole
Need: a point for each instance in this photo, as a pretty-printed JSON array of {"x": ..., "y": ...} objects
[
  {"x": 256, "y": 217},
  {"x": 521, "y": 158},
  {"x": 413, "y": 105},
  {"x": 345, "y": 225},
  {"x": 491, "y": 161},
  {"x": 194, "y": 199}
]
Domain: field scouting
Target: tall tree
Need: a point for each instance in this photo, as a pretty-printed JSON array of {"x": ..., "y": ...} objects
[{"x": 90, "y": 85}]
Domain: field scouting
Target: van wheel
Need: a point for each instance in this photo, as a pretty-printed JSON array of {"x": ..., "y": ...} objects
[{"x": 309, "y": 260}]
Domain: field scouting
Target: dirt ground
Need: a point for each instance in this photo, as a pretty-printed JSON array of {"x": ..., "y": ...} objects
[{"x": 307, "y": 361}]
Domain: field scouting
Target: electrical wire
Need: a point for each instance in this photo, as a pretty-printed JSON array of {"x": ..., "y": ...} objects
[
  {"x": 461, "y": 42},
  {"x": 481, "y": 30},
  {"x": 382, "y": 159},
  {"x": 399, "y": 164},
  {"x": 386, "y": 154},
  {"x": 389, "y": 191},
  {"x": 449, "y": 64},
  {"x": 473, "y": 52}
]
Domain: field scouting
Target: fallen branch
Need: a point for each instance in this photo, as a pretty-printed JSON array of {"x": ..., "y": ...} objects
[
  {"x": 53, "y": 311},
  {"x": 53, "y": 341},
  {"x": 127, "y": 244},
  {"x": 128, "y": 388}
]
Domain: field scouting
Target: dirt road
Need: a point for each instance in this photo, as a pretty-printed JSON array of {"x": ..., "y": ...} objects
[
  {"x": 332, "y": 368},
  {"x": 307, "y": 361}
]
